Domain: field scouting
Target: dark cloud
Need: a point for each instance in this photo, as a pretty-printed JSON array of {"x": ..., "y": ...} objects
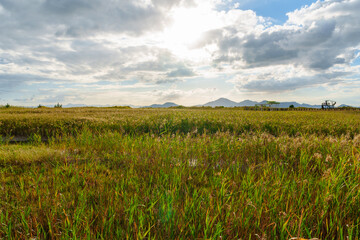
[
  {"x": 312, "y": 47},
  {"x": 67, "y": 7},
  {"x": 75, "y": 18},
  {"x": 81, "y": 18},
  {"x": 266, "y": 50}
]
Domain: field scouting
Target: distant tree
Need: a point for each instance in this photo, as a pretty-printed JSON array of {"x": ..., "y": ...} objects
[
  {"x": 272, "y": 103},
  {"x": 291, "y": 106},
  {"x": 58, "y": 105},
  {"x": 7, "y": 105}
]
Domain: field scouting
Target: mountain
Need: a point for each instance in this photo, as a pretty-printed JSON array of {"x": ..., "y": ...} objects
[
  {"x": 248, "y": 103},
  {"x": 287, "y": 104},
  {"x": 221, "y": 102},
  {"x": 165, "y": 105},
  {"x": 345, "y": 105}
]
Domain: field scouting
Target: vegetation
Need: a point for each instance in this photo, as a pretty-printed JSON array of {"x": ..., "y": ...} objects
[
  {"x": 270, "y": 103},
  {"x": 122, "y": 107},
  {"x": 58, "y": 105},
  {"x": 114, "y": 173}
]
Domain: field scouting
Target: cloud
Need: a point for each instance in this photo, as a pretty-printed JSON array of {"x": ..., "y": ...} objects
[
  {"x": 181, "y": 72},
  {"x": 161, "y": 43},
  {"x": 9, "y": 82},
  {"x": 80, "y": 18},
  {"x": 4, "y": 61},
  {"x": 174, "y": 94},
  {"x": 316, "y": 37},
  {"x": 152, "y": 65},
  {"x": 272, "y": 83}
]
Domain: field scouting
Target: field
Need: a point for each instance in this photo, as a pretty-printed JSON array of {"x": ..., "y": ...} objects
[{"x": 113, "y": 173}]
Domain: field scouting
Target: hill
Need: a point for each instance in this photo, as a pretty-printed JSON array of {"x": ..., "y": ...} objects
[{"x": 165, "y": 105}]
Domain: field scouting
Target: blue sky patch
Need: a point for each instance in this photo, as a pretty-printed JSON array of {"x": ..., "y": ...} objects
[{"x": 275, "y": 9}]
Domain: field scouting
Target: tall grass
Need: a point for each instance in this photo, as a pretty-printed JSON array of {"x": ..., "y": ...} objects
[
  {"x": 54, "y": 122},
  {"x": 181, "y": 174}
]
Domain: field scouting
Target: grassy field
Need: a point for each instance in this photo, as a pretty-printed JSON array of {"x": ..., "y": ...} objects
[{"x": 112, "y": 173}]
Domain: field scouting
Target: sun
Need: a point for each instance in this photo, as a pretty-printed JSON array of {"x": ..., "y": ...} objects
[{"x": 186, "y": 28}]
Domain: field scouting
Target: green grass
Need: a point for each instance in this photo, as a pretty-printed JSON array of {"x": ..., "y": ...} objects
[{"x": 179, "y": 174}]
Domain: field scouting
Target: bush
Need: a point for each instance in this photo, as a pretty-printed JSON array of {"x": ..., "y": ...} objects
[
  {"x": 291, "y": 106},
  {"x": 7, "y": 105}
]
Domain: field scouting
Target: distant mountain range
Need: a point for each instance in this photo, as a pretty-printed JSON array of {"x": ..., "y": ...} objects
[
  {"x": 248, "y": 103},
  {"x": 217, "y": 103}
]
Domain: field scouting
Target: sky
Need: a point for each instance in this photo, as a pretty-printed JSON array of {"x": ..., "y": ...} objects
[{"x": 140, "y": 52}]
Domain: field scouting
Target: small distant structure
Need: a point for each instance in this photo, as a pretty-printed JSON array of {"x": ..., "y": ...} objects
[{"x": 328, "y": 104}]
